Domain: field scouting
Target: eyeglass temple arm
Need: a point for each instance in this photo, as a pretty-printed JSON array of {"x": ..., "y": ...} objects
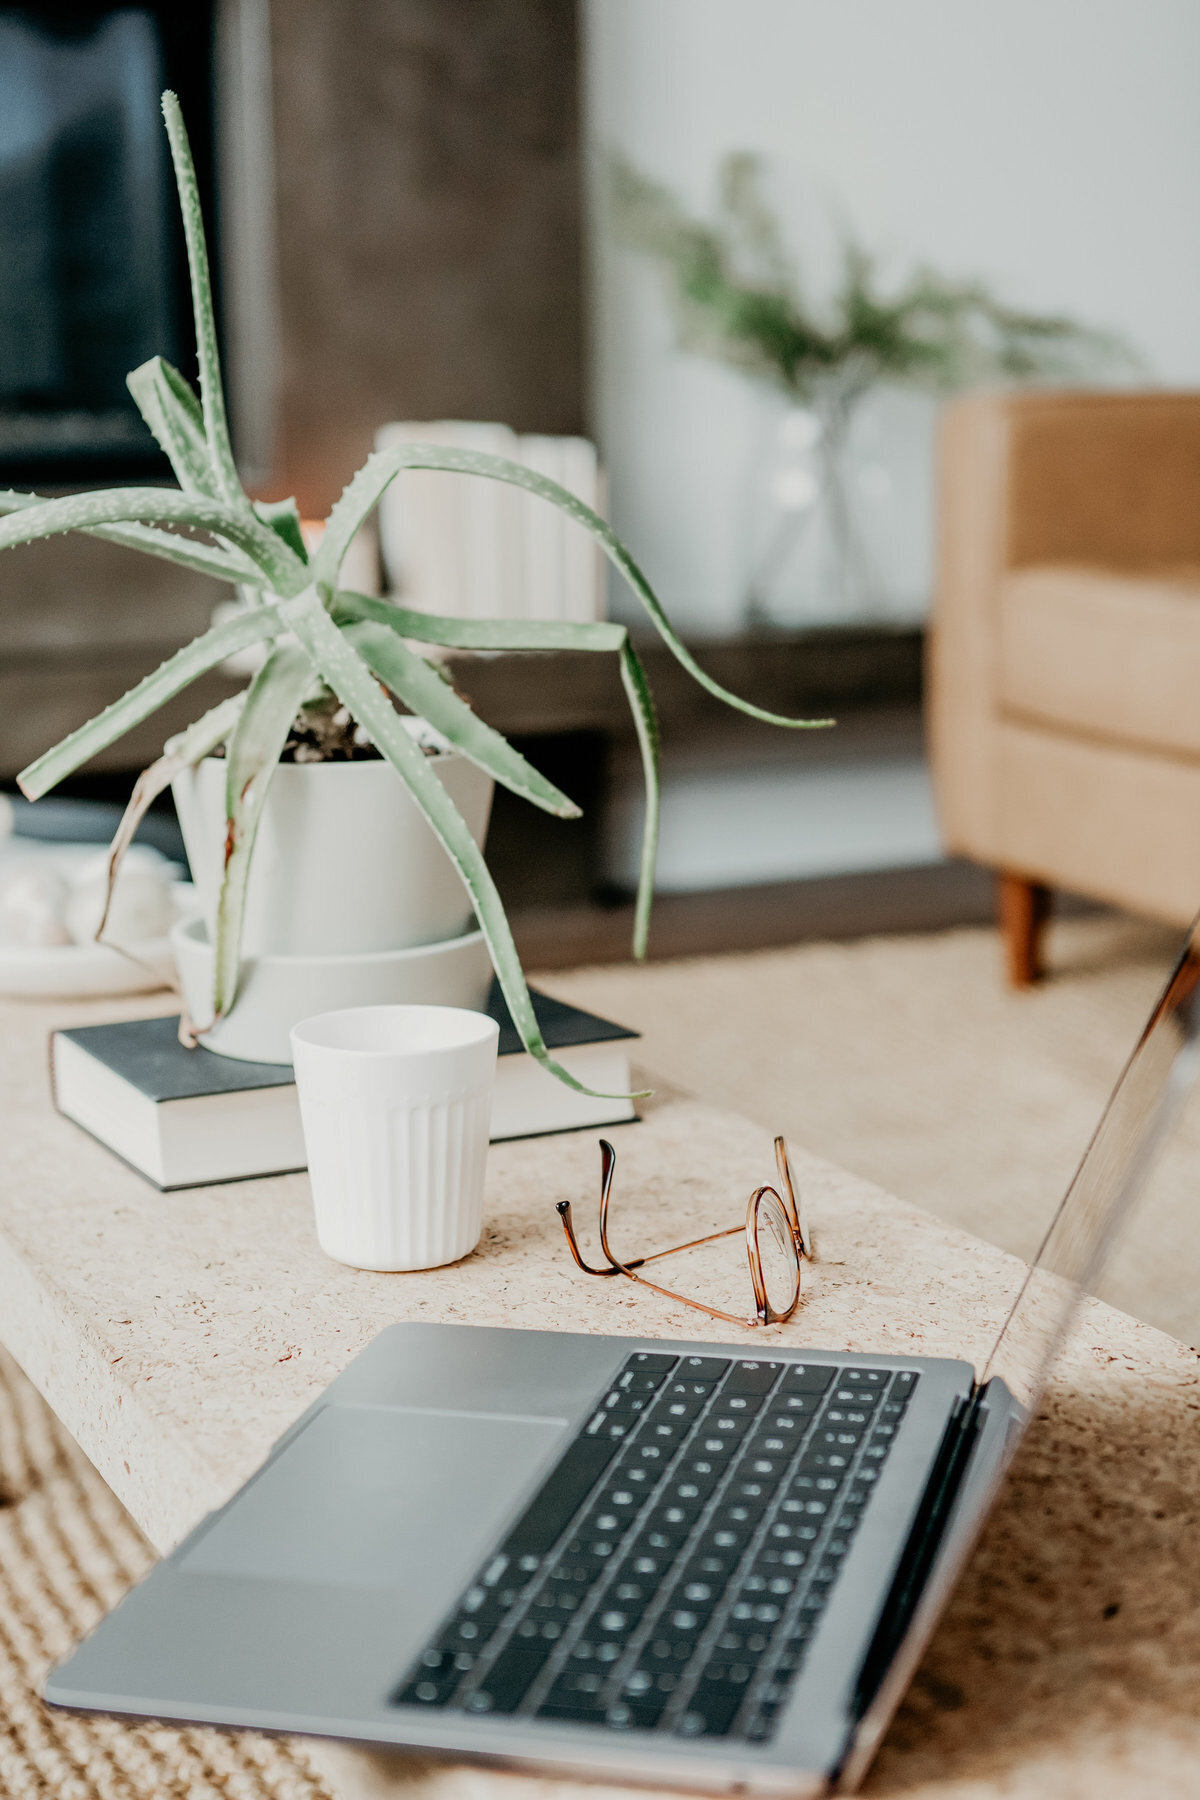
[
  {"x": 608, "y": 1163},
  {"x": 799, "y": 1206}
]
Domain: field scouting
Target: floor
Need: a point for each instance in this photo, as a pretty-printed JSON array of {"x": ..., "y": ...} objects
[{"x": 909, "y": 1061}]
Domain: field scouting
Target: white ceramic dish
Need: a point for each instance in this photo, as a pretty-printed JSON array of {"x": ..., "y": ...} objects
[
  {"x": 84, "y": 971},
  {"x": 79, "y": 971},
  {"x": 276, "y": 992}
]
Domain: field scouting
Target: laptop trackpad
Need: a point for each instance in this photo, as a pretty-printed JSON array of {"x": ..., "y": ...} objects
[{"x": 378, "y": 1497}]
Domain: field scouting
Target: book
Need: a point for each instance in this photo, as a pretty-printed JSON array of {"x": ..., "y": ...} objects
[
  {"x": 186, "y": 1118},
  {"x": 482, "y": 549}
]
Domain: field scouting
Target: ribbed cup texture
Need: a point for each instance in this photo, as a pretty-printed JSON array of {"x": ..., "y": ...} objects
[{"x": 398, "y": 1184}]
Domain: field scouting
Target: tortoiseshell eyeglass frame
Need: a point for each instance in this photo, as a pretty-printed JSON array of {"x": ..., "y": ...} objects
[{"x": 798, "y": 1240}]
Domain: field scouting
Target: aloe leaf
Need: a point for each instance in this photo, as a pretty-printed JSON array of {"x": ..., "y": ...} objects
[
  {"x": 548, "y": 635},
  {"x": 172, "y": 412},
  {"x": 212, "y": 397},
  {"x": 476, "y": 634},
  {"x": 195, "y": 659},
  {"x": 645, "y": 719},
  {"x": 253, "y": 754},
  {"x": 223, "y": 562},
  {"x": 179, "y": 753},
  {"x": 428, "y": 694},
  {"x": 343, "y": 669},
  {"x": 283, "y": 517},
  {"x": 283, "y": 571},
  {"x": 382, "y": 467}
]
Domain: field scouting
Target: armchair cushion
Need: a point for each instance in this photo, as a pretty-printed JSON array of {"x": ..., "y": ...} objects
[{"x": 1111, "y": 655}]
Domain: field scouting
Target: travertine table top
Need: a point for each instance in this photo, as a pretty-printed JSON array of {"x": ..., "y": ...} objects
[{"x": 177, "y": 1335}]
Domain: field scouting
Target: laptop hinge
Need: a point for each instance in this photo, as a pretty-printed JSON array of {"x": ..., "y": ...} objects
[{"x": 921, "y": 1546}]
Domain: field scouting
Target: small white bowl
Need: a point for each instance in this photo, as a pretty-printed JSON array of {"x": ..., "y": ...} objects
[{"x": 276, "y": 992}]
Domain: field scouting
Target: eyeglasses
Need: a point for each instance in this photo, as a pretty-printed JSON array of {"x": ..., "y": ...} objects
[{"x": 777, "y": 1241}]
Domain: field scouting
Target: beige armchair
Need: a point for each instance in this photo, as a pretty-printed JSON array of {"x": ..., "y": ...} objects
[{"x": 1064, "y": 659}]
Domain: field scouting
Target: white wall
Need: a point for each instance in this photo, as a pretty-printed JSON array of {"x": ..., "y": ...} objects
[{"x": 1051, "y": 147}]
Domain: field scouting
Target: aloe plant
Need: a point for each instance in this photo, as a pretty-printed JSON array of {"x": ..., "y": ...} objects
[{"x": 320, "y": 638}]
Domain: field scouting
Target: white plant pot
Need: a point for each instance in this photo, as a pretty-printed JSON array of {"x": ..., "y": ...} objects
[
  {"x": 277, "y": 992},
  {"x": 344, "y": 862}
]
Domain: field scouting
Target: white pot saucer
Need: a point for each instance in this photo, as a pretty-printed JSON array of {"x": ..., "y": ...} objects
[{"x": 276, "y": 992}]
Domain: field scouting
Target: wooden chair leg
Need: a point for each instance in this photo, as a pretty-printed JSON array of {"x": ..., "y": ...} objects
[{"x": 1022, "y": 907}]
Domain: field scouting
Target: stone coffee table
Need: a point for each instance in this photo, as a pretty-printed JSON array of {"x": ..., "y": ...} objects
[{"x": 178, "y": 1335}]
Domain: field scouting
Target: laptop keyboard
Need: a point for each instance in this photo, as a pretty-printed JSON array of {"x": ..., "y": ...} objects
[{"x": 670, "y": 1572}]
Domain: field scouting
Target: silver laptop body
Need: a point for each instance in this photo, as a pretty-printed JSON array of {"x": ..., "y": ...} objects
[{"x": 388, "y": 1520}]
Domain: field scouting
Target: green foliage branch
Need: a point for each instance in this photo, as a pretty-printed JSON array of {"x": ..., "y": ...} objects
[{"x": 738, "y": 297}]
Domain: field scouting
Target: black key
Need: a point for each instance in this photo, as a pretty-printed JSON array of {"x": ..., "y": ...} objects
[
  {"x": 751, "y": 1378},
  {"x": 699, "y": 1589},
  {"x": 766, "y": 1469},
  {"x": 687, "y": 1389},
  {"x": 703, "y": 1368},
  {"x": 635, "y": 1383},
  {"x": 665, "y": 1431},
  {"x": 674, "y": 1521},
  {"x": 631, "y": 1592},
  {"x": 649, "y": 1688},
  {"x": 432, "y": 1682},
  {"x": 576, "y": 1697},
  {"x": 790, "y": 1533},
  {"x": 740, "y": 1406},
  {"x": 645, "y": 1564},
  {"x": 786, "y": 1428},
  {"x": 469, "y": 1634},
  {"x": 636, "y": 1474},
  {"x": 875, "y": 1379},
  {"x": 729, "y": 1538},
  {"x": 740, "y": 1508},
  {"x": 611, "y": 1426},
  {"x": 775, "y": 1584},
  {"x": 730, "y": 1421},
  {"x": 614, "y": 1621},
  {"x": 815, "y": 1484},
  {"x": 667, "y": 1651},
  {"x": 806, "y": 1378},
  {"x": 691, "y": 1488},
  {"x": 510, "y": 1678},
  {"x": 839, "y": 1418},
  {"x": 666, "y": 1540},
  {"x": 629, "y": 1715},
  {"x": 651, "y": 1362},
  {"x": 686, "y": 1618},
  {"x": 560, "y": 1497},
  {"x": 712, "y": 1714},
  {"x": 712, "y": 1572},
  {"x": 726, "y": 1671},
  {"x": 722, "y": 1447},
  {"x": 838, "y": 1437},
  {"x": 801, "y": 1406},
  {"x": 686, "y": 1410},
  {"x": 628, "y": 1406},
  {"x": 903, "y": 1384}
]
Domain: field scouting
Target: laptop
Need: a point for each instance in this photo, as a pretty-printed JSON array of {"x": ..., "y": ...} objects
[{"x": 698, "y": 1565}]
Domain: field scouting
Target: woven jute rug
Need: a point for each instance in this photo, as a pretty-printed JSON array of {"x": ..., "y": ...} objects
[{"x": 68, "y": 1551}]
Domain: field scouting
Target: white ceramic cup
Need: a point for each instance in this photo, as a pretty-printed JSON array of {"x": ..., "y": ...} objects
[{"x": 396, "y": 1105}]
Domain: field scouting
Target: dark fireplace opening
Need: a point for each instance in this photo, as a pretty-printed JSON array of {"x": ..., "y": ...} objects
[{"x": 93, "y": 274}]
